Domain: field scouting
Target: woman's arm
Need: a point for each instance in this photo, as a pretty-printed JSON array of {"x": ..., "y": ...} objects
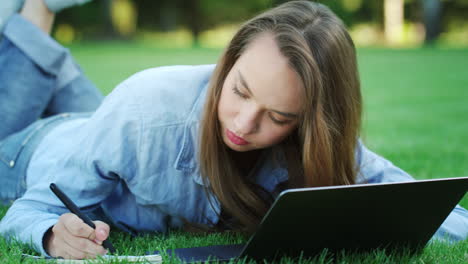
[
  {"x": 100, "y": 153},
  {"x": 375, "y": 169}
]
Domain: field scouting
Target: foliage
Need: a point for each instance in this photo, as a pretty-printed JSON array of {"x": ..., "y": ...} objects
[{"x": 95, "y": 20}]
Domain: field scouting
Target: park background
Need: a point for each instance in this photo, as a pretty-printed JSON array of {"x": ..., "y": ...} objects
[
  {"x": 413, "y": 63},
  {"x": 412, "y": 56}
]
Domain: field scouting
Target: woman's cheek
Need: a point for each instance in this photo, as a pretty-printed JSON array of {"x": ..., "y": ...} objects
[{"x": 273, "y": 136}]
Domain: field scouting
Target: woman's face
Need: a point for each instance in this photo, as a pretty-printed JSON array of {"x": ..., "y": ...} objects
[{"x": 260, "y": 99}]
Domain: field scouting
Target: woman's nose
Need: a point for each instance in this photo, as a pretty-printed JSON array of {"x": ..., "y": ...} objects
[{"x": 246, "y": 121}]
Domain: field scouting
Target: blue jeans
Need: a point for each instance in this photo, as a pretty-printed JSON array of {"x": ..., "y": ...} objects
[{"x": 40, "y": 84}]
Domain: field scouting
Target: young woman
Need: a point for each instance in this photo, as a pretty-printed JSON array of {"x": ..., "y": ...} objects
[{"x": 181, "y": 146}]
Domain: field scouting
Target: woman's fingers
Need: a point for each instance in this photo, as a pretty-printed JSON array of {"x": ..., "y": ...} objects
[
  {"x": 102, "y": 231},
  {"x": 84, "y": 245},
  {"x": 77, "y": 227},
  {"x": 75, "y": 239},
  {"x": 69, "y": 252}
]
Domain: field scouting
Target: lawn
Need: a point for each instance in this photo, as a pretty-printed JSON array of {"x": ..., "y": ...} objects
[{"x": 415, "y": 114}]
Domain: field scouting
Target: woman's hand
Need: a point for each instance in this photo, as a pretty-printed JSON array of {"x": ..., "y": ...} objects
[{"x": 71, "y": 238}]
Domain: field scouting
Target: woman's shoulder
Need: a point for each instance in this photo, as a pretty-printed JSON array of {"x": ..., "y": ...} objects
[
  {"x": 167, "y": 94},
  {"x": 172, "y": 80}
]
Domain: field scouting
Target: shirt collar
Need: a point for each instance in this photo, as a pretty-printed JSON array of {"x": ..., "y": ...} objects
[{"x": 272, "y": 169}]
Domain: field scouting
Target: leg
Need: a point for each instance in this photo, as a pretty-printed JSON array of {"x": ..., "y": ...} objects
[
  {"x": 36, "y": 12},
  {"x": 73, "y": 92},
  {"x": 25, "y": 88},
  {"x": 79, "y": 95},
  {"x": 455, "y": 226},
  {"x": 41, "y": 78},
  {"x": 10, "y": 7}
]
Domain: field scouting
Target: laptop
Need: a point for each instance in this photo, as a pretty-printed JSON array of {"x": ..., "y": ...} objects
[{"x": 357, "y": 218}]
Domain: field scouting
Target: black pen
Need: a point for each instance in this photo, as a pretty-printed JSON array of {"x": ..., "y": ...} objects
[{"x": 74, "y": 209}]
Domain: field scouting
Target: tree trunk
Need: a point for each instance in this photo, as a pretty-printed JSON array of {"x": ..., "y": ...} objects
[
  {"x": 109, "y": 31},
  {"x": 393, "y": 21},
  {"x": 431, "y": 16},
  {"x": 194, "y": 19}
]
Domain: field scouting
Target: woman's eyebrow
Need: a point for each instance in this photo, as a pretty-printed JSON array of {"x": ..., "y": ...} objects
[{"x": 244, "y": 83}]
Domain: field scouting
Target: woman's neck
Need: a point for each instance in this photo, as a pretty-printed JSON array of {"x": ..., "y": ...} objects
[{"x": 246, "y": 160}]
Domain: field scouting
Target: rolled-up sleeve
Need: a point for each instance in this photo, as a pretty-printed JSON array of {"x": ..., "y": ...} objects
[{"x": 87, "y": 166}]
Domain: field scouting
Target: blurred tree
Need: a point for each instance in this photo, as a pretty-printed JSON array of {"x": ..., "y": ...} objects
[
  {"x": 160, "y": 15},
  {"x": 108, "y": 27},
  {"x": 124, "y": 17},
  {"x": 191, "y": 10},
  {"x": 393, "y": 14},
  {"x": 432, "y": 11},
  {"x": 199, "y": 15},
  {"x": 119, "y": 18},
  {"x": 104, "y": 19},
  {"x": 97, "y": 18}
]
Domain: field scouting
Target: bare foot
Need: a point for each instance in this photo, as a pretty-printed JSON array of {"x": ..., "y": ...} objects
[{"x": 37, "y": 12}]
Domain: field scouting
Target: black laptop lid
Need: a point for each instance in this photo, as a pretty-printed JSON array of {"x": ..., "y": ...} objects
[{"x": 355, "y": 217}]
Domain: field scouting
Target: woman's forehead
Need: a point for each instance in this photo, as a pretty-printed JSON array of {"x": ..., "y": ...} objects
[{"x": 269, "y": 75}]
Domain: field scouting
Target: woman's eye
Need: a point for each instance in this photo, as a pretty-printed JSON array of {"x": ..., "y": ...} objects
[
  {"x": 236, "y": 91},
  {"x": 279, "y": 122}
]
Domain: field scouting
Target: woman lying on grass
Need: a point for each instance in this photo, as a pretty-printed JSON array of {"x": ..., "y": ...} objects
[{"x": 181, "y": 146}]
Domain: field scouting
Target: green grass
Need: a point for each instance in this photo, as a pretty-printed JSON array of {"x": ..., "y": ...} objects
[
  {"x": 415, "y": 114},
  {"x": 433, "y": 253},
  {"x": 109, "y": 64}
]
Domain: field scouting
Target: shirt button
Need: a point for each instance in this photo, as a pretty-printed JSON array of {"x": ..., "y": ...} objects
[{"x": 12, "y": 163}]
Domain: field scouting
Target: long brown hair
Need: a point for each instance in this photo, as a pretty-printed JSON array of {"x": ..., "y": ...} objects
[{"x": 320, "y": 152}]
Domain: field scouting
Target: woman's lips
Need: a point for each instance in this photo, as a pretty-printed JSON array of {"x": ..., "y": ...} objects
[{"x": 235, "y": 139}]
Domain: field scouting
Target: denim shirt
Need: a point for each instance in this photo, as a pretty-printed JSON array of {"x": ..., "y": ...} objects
[{"x": 135, "y": 160}]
